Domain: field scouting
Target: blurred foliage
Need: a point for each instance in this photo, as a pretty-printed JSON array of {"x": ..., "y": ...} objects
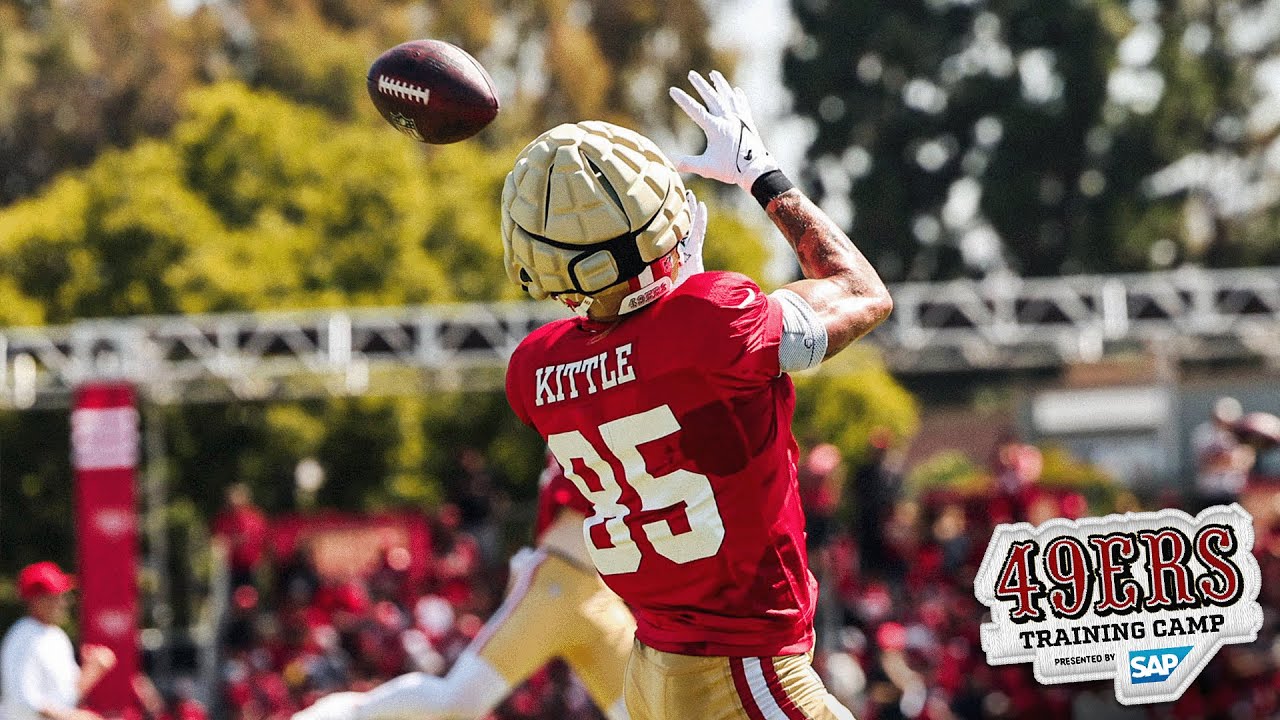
[
  {"x": 35, "y": 488},
  {"x": 568, "y": 60},
  {"x": 76, "y": 78},
  {"x": 229, "y": 160},
  {"x": 847, "y": 398},
  {"x": 955, "y": 471},
  {"x": 911, "y": 97},
  {"x": 964, "y": 138},
  {"x": 1063, "y": 471},
  {"x": 734, "y": 244},
  {"x": 376, "y": 452},
  {"x": 948, "y": 470},
  {"x": 256, "y": 202},
  {"x": 79, "y": 77}
]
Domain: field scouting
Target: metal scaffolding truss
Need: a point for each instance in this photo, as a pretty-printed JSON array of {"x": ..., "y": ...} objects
[
  {"x": 1015, "y": 323},
  {"x": 213, "y": 358},
  {"x": 1002, "y": 323}
]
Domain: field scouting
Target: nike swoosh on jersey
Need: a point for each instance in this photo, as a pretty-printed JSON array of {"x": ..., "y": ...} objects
[{"x": 751, "y": 295}]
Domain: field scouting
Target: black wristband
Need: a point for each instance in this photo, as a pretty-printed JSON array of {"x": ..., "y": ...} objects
[{"x": 769, "y": 186}]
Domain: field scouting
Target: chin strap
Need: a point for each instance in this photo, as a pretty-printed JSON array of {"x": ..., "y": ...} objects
[{"x": 579, "y": 307}]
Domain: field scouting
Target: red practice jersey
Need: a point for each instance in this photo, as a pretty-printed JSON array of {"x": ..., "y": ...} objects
[
  {"x": 675, "y": 424},
  {"x": 555, "y": 493}
]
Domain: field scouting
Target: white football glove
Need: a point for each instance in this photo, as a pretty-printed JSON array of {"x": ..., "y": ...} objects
[
  {"x": 735, "y": 153},
  {"x": 691, "y": 245}
]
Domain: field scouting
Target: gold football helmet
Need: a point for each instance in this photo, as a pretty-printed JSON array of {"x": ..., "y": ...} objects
[{"x": 592, "y": 214}]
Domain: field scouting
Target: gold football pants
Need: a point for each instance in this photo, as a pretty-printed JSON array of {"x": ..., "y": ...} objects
[
  {"x": 556, "y": 608},
  {"x": 665, "y": 686}
]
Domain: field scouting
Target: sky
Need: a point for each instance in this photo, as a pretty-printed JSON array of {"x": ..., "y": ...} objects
[
  {"x": 759, "y": 71},
  {"x": 759, "y": 74},
  {"x": 183, "y": 7}
]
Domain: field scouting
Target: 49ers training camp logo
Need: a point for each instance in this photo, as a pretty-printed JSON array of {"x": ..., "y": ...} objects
[{"x": 1144, "y": 598}]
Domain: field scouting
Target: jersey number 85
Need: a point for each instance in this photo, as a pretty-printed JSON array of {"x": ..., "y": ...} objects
[{"x": 623, "y": 438}]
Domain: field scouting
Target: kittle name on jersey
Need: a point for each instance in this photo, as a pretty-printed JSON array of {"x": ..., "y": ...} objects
[{"x": 554, "y": 383}]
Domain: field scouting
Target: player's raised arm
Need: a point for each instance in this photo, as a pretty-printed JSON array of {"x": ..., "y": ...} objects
[{"x": 841, "y": 293}]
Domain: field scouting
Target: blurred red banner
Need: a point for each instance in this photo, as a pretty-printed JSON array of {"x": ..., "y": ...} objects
[
  {"x": 345, "y": 547},
  {"x": 104, "y": 454}
]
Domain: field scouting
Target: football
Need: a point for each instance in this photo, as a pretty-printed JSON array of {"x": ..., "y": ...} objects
[{"x": 432, "y": 91}]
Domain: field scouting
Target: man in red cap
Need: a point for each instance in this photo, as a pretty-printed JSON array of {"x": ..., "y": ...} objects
[{"x": 39, "y": 677}]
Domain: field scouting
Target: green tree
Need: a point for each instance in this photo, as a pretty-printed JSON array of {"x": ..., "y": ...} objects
[
  {"x": 76, "y": 78},
  {"x": 36, "y": 497},
  {"x": 948, "y": 470},
  {"x": 568, "y": 60},
  {"x": 554, "y": 60},
  {"x": 955, "y": 137},
  {"x": 255, "y": 202},
  {"x": 1210, "y": 200},
  {"x": 310, "y": 51},
  {"x": 847, "y": 399},
  {"x": 230, "y": 161}
]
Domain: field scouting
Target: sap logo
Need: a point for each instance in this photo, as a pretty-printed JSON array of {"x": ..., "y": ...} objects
[{"x": 1149, "y": 666}]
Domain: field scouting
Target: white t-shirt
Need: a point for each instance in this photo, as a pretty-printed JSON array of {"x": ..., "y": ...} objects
[
  {"x": 1219, "y": 468},
  {"x": 37, "y": 670}
]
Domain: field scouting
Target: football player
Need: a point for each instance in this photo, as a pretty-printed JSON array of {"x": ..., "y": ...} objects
[
  {"x": 556, "y": 606},
  {"x": 669, "y": 405}
]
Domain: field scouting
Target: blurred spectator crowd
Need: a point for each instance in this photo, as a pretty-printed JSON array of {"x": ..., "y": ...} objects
[
  {"x": 902, "y": 637},
  {"x": 898, "y": 624},
  {"x": 293, "y": 634}
]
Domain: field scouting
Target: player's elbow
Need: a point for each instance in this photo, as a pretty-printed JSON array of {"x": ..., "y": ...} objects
[
  {"x": 859, "y": 316},
  {"x": 870, "y": 307},
  {"x": 881, "y": 306},
  {"x": 867, "y": 302}
]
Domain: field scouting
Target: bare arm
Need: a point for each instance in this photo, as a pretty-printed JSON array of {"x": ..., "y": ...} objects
[
  {"x": 98, "y": 661},
  {"x": 841, "y": 286}
]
